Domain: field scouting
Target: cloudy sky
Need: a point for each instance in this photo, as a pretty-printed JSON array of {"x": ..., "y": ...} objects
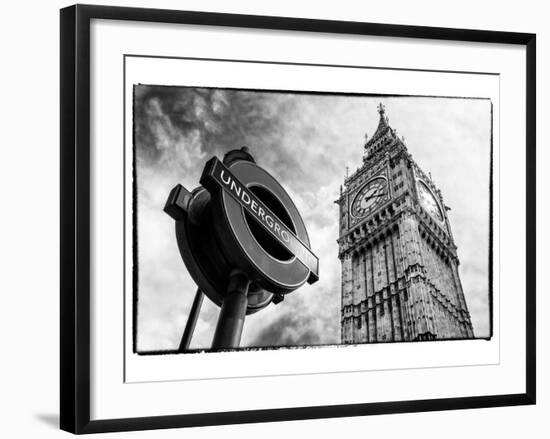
[{"x": 305, "y": 141}]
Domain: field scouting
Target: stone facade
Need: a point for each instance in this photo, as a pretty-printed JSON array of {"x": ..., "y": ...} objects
[{"x": 400, "y": 279}]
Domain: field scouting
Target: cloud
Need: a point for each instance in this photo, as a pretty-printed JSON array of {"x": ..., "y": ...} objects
[
  {"x": 288, "y": 330},
  {"x": 306, "y": 142}
]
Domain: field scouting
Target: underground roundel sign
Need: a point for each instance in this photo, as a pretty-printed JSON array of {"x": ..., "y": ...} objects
[{"x": 255, "y": 218}]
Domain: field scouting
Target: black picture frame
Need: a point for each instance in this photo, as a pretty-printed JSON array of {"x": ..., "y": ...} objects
[{"x": 75, "y": 217}]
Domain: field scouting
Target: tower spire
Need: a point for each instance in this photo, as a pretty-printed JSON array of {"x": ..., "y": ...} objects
[
  {"x": 384, "y": 121},
  {"x": 383, "y": 126}
]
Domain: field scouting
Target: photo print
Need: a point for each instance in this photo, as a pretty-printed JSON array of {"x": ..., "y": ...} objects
[{"x": 395, "y": 193}]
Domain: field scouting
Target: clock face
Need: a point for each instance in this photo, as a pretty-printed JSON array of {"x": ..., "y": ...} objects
[
  {"x": 369, "y": 197},
  {"x": 428, "y": 201}
]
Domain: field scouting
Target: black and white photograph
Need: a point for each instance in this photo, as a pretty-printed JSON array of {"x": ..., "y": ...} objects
[{"x": 270, "y": 219}]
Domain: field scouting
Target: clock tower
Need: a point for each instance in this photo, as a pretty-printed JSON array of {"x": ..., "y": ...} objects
[{"x": 400, "y": 279}]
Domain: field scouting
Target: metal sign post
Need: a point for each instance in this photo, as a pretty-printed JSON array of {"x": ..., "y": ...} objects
[
  {"x": 242, "y": 240},
  {"x": 233, "y": 312},
  {"x": 191, "y": 321}
]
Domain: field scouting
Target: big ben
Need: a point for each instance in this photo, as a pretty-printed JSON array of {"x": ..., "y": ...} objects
[{"x": 400, "y": 276}]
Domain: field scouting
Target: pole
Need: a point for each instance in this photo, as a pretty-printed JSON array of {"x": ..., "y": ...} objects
[
  {"x": 191, "y": 321},
  {"x": 233, "y": 312}
]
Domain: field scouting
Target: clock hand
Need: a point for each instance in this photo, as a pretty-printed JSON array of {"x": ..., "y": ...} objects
[
  {"x": 373, "y": 196},
  {"x": 367, "y": 199},
  {"x": 370, "y": 192}
]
